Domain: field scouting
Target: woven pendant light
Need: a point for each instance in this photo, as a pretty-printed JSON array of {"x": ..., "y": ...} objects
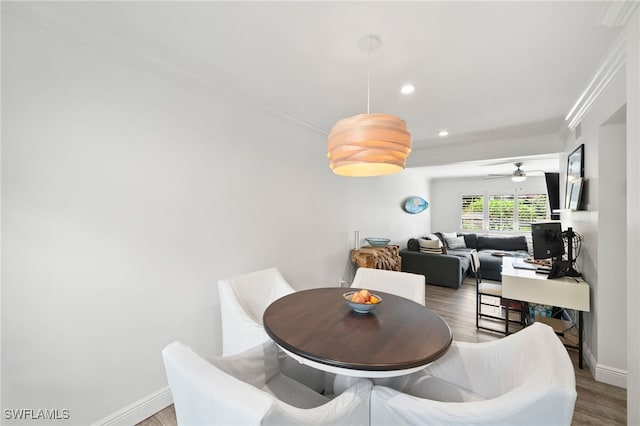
[{"x": 369, "y": 144}]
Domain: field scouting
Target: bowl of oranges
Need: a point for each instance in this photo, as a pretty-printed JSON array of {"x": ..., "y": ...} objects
[{"x": 362, "y": 301}]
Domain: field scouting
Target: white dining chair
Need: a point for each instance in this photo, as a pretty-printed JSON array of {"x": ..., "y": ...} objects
[
  {"x": 404, "y": 284},
  {"x": 243, "y": 300},
  {"x": 526, "y": 378},
  {"x": 249, "y": 389}
]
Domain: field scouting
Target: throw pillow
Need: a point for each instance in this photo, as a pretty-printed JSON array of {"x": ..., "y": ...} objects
[
  {"x": 447, "y": 235},
  {"x": 413, "y": 245},
  {"x": 456, "y": 243},
  {"x": 430, "y": 246}
]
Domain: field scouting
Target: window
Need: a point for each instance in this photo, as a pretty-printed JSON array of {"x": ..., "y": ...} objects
[
  {"x": 502, "y": 212},
  {"x": 531, "y": 208},
  {"x": 472, "y": 212}
]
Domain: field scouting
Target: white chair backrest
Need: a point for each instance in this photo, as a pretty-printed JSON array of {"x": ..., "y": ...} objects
[
  {"x": 496, "y": 367},
  {"x": 239, "y": 390},
  {"x": 243, "y": 300},
  {"x": 404, "y": 284},
  {"x": 256, "y": 290},
  {"x": 524, "y": 378},
  {"x": 205, "y": 395}
]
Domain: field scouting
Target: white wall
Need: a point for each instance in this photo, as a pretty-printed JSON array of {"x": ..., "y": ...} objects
[
  {"x": 632, "y": 52},
  {"x": 126, "y": 195},
  {"x": 446, "y": 196},
  {"x": 612, "y": 187},
  {"x": 613, "y": 289},
  {"x": 602, "y": 219}
]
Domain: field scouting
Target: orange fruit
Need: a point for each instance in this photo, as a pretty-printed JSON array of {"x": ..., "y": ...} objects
[{"x": 374, "y": 300}]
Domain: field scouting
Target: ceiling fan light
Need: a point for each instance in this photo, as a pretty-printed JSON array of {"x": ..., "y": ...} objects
[{"x": 519, "y": 176}]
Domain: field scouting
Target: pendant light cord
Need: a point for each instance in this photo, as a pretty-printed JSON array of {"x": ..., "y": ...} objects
[{"x": 369, "y": 77}]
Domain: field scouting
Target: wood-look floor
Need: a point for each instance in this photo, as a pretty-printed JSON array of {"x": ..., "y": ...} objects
[{"x": 597, "y": 403}]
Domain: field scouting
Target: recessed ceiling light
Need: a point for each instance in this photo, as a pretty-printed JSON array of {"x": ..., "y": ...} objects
[
  {"x": 408, "y": 88},
  {"x": 443, "y": 133}
]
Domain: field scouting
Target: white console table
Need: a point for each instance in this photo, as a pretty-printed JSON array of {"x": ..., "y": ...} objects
[{"x": 530, "y": 286}]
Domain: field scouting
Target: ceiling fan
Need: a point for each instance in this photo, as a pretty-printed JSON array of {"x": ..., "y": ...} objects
[{"x": 518, "y": 174}]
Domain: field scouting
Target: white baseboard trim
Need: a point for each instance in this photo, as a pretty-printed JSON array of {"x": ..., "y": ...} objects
[
  {"x": 611, "y": 376},
  {"x": 139, "y": 410},
  {"x": 603, "y": 373},
  {"x": 589, "y": 359}
]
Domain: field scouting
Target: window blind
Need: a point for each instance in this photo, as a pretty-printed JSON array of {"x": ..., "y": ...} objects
[
  {"x": 472, "y": 218},
  {"x": 501, "y": 212},
  {"x": 531, "y": 208}
]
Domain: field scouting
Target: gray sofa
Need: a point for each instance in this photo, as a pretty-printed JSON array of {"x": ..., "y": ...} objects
[{"x": 450, "y": 269}]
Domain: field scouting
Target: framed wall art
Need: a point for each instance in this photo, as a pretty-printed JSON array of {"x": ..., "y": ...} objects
[
  {"x": 575, "y": 171},
  {"x": 576, "y": 194}
]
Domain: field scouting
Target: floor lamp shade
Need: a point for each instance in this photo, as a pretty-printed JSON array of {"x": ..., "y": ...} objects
[{"x": 369, "y": 145}]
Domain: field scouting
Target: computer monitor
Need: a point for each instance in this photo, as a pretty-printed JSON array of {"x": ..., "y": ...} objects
[{"x": 547, "y": 240}]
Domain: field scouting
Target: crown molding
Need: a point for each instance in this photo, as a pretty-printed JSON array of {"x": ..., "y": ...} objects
[
  {"x": 615, "y": 59},
  {"x": 616, "y": 13},
  {"x": 612, "y": 14}
]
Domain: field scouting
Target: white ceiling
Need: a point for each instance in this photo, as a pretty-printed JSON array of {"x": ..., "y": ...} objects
[{"x": 481, "y": 69}]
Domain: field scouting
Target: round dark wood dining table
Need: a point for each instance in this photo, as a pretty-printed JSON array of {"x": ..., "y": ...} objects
[{"x": 318, "y": 328}]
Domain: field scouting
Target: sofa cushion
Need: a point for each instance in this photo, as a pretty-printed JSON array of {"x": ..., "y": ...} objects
[
  {"x": 489, "y": 262},
  {"x": 502, "y": 243},
  {"x": 464, "y": 255},
  {"x": 471, "y": 240},
  {"x": 456, "y": 243}
]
